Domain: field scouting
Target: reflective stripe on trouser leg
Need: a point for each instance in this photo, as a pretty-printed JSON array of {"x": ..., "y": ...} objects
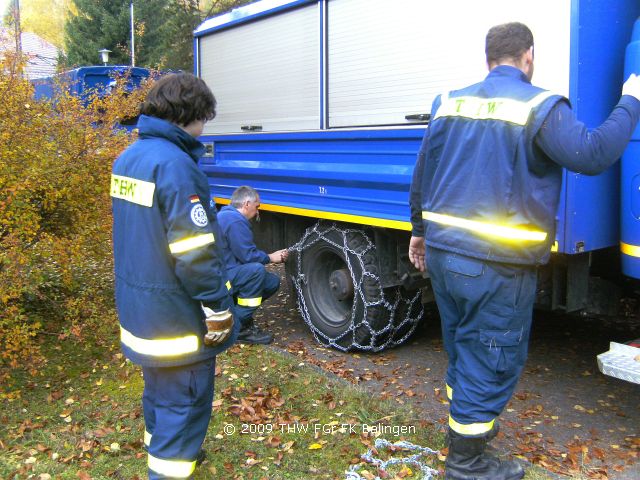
[
  {"x": 182, "y": 408},
  {"x": 471, "y": 429},
  {"x": 247, "y": 281},
  {"x": 486, "y": 311},
  {"x": 245, "y": 309},
  {"x": 250, "y": 302},
  {"x": 160, "y": 468}
]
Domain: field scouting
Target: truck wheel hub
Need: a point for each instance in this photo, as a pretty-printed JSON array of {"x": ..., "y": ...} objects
[{"x": 341, "y": 285}]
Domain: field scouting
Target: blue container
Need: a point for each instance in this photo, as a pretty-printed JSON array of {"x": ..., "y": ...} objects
[{"x": 630, "y": 177}]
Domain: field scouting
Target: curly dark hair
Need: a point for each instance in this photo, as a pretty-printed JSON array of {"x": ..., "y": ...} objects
[
  {"x": 507, "y": 42},
  {"x": 180, "y": 98}
]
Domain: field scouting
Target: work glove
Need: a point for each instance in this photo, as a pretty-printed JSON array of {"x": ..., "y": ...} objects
[
  {"x": 632, "y": 86},
  {"x": 219, "y": 326}
]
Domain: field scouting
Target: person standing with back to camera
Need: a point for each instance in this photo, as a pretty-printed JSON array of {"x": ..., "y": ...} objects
[
  {"x": 172, "y": 290},
  {"x": 483, "y": 198}
]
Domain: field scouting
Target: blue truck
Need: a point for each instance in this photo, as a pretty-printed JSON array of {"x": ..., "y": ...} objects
[
  {"x": 322, "y": 105},
  {"x": 84, "y": 82}
]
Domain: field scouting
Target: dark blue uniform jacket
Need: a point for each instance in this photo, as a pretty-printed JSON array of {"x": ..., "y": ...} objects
[
  {"x": 489, "y": 172},
  {"x": 167, "y": 262},
  {"x": 237, "y": 244}
]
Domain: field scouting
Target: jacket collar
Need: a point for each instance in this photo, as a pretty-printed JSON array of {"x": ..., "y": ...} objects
[
  {"x": 152, "y": 127},
  {"x": 508, "y": 71},
  {"x": 235, "y": 211}
]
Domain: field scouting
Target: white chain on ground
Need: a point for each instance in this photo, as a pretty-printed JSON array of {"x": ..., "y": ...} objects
[
  {"x": 318, "y": 233},
  {"x": 381, "y": 465}
]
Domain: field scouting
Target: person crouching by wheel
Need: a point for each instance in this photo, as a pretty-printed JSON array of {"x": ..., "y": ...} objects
[
  {"x": 252, "y": 284},
  {"x": 172, "y": 295}
]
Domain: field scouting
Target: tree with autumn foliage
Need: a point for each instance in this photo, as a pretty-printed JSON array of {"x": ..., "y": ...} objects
[
  {"x": 49, "y": 26},
  {"x": 55, "y": 222}
]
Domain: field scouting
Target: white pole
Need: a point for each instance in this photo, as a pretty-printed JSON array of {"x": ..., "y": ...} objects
[
  {"x": 133, "y": 39},
  {"x": 18, "y": 29}
]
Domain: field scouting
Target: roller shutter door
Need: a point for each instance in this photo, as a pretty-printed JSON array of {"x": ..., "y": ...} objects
[
  {"x": 265, "y": 73},
  {"x": 387, "y": 59}
]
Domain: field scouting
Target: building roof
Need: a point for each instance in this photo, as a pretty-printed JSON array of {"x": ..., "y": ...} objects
[{"x": 42, "y": 56}]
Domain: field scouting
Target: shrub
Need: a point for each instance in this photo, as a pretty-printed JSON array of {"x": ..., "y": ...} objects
[{"x": 55, "y": 213}]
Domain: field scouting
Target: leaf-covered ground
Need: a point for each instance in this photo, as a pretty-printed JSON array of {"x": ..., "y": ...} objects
[
  {"x": 565, "y": 416},
  {"x": 275, "y": 417}
]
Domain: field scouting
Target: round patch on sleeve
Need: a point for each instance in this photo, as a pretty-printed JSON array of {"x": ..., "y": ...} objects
[{"x": 199, "y": 216}]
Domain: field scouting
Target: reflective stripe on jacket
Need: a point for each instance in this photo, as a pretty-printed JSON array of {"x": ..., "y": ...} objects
[
  {"x": 166, "y": 259},
  {"x": 480, "y": 196}
]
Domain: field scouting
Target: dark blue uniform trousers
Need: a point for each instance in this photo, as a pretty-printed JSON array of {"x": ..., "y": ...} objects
[
  {"x": 251, "y": 284},
  {"x": 177, "y": 409},
  {"x": 485, "y": 310}
]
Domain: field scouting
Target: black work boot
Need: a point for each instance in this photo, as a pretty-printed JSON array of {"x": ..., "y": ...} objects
[
  {"x": 251, "y": 334},
  {"x": 493, "y": 433},
  {"x": 202, "y": 456},
  {"x": 467, "y": 460}
]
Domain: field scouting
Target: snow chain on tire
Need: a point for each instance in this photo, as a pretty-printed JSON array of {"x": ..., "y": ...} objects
[{"x": 404, "y": 310}]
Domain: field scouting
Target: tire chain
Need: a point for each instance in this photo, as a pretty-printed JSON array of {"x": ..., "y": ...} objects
[
  {"x": 381, "y": 465},
  {"x": 299, "y": 279}
]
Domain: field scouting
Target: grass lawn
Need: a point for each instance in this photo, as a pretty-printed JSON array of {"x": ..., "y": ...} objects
[{"x": 274, "y": 418}]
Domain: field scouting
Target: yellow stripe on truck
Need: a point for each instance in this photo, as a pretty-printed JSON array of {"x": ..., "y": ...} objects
[{"x": 324, "y": 215}]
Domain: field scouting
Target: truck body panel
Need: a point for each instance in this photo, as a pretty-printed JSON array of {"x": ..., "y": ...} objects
[
  {"x": 324, "y": 174},
  {"x": 588, "y": 217}
]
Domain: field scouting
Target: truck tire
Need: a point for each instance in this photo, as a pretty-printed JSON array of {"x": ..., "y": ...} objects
[{"x": 334, "y": 271}]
